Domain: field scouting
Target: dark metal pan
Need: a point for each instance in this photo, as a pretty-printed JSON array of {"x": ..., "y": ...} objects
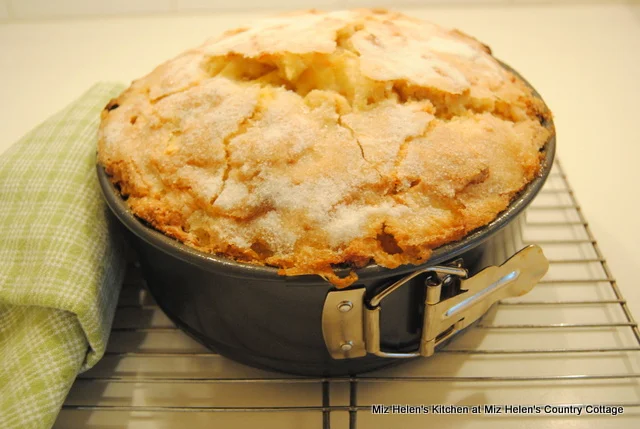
[{"x": 251, "y": 314}]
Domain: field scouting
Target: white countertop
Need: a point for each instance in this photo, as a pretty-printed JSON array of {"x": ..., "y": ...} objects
[{"x": 583, "y": 59}]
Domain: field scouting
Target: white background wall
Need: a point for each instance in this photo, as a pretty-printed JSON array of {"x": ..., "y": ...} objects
[{"x": 47, "y": 9}]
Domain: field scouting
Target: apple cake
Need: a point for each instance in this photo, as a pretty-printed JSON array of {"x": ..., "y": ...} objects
[{"x": 317, "y": 140}]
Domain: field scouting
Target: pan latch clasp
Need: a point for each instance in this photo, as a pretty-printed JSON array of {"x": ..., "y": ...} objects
[{"x": 443, "y": 318}]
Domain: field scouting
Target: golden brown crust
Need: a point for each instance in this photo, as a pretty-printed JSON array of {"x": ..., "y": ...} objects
[{"x": 320, "y": 139}]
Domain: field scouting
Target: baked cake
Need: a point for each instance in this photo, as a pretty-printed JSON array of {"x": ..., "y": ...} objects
[{"x": 317, "y": 140}]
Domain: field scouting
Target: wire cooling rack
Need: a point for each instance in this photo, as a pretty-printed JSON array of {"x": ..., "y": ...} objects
[{"x": 571, "y": 341}]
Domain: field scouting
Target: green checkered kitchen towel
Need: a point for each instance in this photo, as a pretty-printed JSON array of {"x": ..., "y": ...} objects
[{"x": 60, "y": 267}]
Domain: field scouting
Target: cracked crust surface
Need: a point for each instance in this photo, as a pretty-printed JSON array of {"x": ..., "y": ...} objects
[{"x": 317, "y": 139}]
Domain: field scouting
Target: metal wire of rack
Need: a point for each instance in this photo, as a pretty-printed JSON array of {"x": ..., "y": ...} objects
[{"x": 572, "y": 341}]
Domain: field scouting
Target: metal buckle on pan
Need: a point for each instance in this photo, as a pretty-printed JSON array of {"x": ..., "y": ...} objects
[{"x": 351, "y": 323}]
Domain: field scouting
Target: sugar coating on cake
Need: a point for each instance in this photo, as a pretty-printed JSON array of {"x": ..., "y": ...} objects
[{"x": 314, "y": 140}]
